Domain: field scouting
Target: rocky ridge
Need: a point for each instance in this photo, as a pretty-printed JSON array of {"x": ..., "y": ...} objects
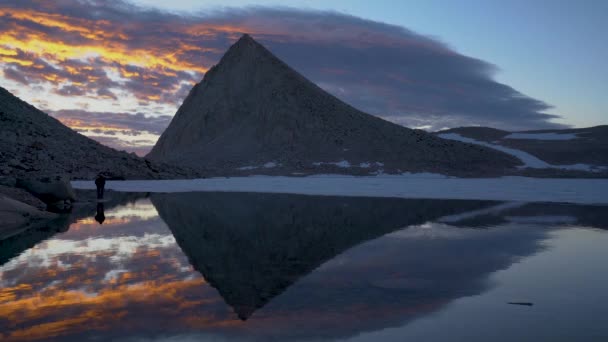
[{"x": 34, "y": 144}]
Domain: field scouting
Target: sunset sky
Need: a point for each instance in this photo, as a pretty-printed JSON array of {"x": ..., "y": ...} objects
[{"x": 117, "y": 71}]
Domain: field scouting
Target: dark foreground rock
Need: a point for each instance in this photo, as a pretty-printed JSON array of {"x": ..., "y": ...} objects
[
  {"x": 49, "y": 190},
  {"x": 33, "y": 144},
  {"x": 16, "y": 217}
]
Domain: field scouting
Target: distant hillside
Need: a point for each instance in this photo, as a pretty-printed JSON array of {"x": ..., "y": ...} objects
[
  {"x": 559, "y": 147},
  {"x": 252, "y": 113},
  {"x": 34, "y": 144}
]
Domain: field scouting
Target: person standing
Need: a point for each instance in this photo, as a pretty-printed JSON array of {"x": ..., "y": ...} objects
[{"x": 100, "y": 182}]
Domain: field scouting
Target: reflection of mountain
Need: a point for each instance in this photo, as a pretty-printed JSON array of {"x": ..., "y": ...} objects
[
  {"x": 251, "y": 247},
  {"x": 27, "y": 239},
  {"x": 551, "y": 214}
]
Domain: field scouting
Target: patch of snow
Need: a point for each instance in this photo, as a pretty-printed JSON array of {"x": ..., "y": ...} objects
[
  {"x": 247, "y": 168},
  {"x": 542, "y": 136},
  {"x": 379, "y": 164},
  {"x": 343, "y": 164},
  {"x": 365, "y": 165},
  {"x": 526, "y": 158},
  {"x": 268, "y": 165},
  {"x": 521, "y": 189}
]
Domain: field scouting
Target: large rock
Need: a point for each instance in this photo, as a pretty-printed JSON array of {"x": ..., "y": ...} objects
[
  {"x": 16, "y": 216},
  {"x": 252, "y": 113},
  {"x": 23, "y": 196},
  {"x": 49, "y": 190}
]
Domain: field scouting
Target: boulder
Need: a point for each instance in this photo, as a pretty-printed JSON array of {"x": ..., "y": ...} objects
[
  {"x": 49, "y": 190},
  {"x": 17, "y": 216},
  {"x": 23, "y": 196}
]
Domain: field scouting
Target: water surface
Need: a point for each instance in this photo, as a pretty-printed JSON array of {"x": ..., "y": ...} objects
[{"x": 243, "y": 266}]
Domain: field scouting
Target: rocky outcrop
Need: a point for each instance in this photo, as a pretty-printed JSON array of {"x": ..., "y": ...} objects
[
  {"x": 49, "y": 190},
  {"x": 16, "y": 216},
  {"x": 33, "y": 144},
  {"x": 252, "y": 113},
  {"x": 23, "y": 196}
]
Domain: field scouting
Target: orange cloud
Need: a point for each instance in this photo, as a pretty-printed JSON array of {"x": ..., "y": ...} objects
[{"x": 101, "y": 41}]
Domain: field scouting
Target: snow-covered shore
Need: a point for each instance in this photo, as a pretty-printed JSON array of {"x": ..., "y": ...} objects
[{"x": 581, "y": 191}]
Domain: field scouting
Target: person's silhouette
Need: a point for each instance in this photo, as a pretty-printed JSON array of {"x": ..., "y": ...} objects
[
  {"x": 100, "y": 217},
  {"x": 100, "y": 183}
]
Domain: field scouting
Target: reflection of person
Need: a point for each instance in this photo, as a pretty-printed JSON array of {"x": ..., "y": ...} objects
[
  {"x": 100, "y": 217},
  {"x": 100, "y": 182}
]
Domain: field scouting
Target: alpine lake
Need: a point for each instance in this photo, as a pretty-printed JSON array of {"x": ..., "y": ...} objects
[{"x": 218, "y": 266}]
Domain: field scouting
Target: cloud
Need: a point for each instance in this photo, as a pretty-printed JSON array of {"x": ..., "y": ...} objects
[
  {"x": 123, "y": 131},
  {"x": 113, "y": 50}
]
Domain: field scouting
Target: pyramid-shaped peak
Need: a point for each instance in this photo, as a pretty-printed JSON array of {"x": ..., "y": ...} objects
[
  {"x": 252, "y": 109},
  {"x": 246, "y": 42},
  {"x": 248, "y": 49},
  {"x": 246, "y": 38}
]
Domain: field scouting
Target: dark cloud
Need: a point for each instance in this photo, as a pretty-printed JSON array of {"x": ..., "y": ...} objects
[
  {"x": 382, "y": 69},
  {"x": 70, "y": 90},
  {"x": 118, "y": 121},
  {"x": 116, "y": 130}
]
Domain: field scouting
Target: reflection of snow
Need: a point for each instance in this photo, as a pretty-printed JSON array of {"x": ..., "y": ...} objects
[
  {"x": 529, "y": 160},
  {"x": 542, "y": 136},
  {"x": 471, "y": 214}
]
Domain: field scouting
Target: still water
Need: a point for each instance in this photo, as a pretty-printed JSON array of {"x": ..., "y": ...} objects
[{"x": 276, "y": 267}]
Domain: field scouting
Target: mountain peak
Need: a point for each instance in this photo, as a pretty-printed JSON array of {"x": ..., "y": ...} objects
[
  {"x": 252, "y": 109},
  {"x": 246, "y": 42},
  {"x": 245, "y": 38}
]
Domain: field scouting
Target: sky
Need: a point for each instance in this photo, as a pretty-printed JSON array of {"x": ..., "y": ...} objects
[{"x": 117, "y": 71}]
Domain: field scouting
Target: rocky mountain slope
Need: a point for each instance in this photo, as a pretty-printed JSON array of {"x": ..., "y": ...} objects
[
  {"x": 252, "y": 113},
  {"x": 579, "y": 152},
  {"x": 33, "y": 144}
]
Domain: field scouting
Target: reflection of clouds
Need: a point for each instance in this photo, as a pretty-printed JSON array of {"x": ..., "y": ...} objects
[
  {"x": 117, "y": 249},
  {"x": 66, "y": 287},
  {"x": 141, "y": 210},
  {"x": 120, "y": 307},
  {"x": 131, "y": 213}
]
